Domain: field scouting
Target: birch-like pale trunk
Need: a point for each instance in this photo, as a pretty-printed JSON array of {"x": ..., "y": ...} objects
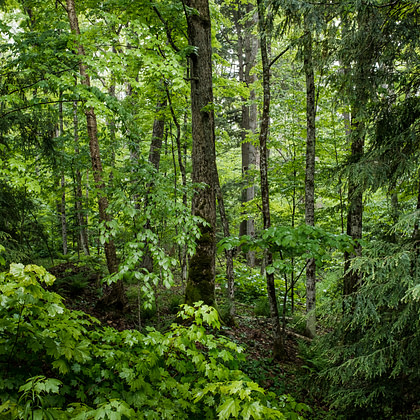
[{"x": 247, "y": 53}]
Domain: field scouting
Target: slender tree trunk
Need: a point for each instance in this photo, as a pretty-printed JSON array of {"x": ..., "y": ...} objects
[
  {"x": 181, "y": 164},
  {"x": 111, "y": 123},
  {"x": 310, "y": 181},
  {"x": 63, "y": 213},
  {"x": 247, "y": 53},
  {"x": 230, "y": 276},
  {"x": 81, "y": 220},
  {"x": 355, "y": 212},
  {"x": 62, "y": 183},
  {"x": 117, "y": 295},
  {"x": 200, "y": 284},
  {"x": 279, "y": 351},
  {"x": 154, "y": 160}
]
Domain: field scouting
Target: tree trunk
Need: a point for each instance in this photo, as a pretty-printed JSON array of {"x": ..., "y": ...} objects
[
  {"x": 63, "y": 213},
  {"x": 183, "y": 249},
  {"x": 63, "y": 186},
  {"x": 200, "y": 284},
  {"x": 310, "y": 180},
  {"x": 81, "y": 220},
  {"x": 355, "y": 213},
  {"x": 116, "y": 295},
  {"x": 154, "y": 160},
  {"x": 230, "y": 276},
  {"x": 247, "y": 53},
  {"x": 279, "y": 351}
]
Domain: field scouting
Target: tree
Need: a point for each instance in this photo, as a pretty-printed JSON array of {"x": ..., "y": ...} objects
[
  {"x": 81, "y": 218},
  {"x": 279, "y": 351},
  {"x": 117, "y": 294},
  {"x": 201, "y": 275},
  {"x": 247, "y": 54},
  {"x": 310, "y": 174}
]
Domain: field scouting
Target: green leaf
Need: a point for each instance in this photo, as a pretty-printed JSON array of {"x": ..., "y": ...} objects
[
  {"x": 52, "y": 385},
  {"x": 61, "y": 365},
  {"x": 229, "y": 408}
]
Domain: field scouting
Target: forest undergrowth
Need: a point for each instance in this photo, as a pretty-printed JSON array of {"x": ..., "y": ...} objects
[{"x": 250, "y": 331}]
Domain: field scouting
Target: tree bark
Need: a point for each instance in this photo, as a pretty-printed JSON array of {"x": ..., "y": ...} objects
[
  {"x": 154, "y": 160},
  {"x": 183, "y": 249},
  {"x": 200, "y": 283},
  {"x": 63, "y": 186},
  {"x": 354, "y": 215},
  {"x": 247, "y": 53},
  {"x": 310, "y": 180},
  {"x": 81, "y": 220},
  {"x": 63, "y": 213},
  {"x": 230, "y": 276},
  {"x": 116, "y": 295},
  {"x": 279, "y": 351}
]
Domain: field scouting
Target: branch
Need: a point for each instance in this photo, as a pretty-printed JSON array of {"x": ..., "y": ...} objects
[
  {"x": 168, "y": 31},
  {"x": 282, "y": 53},
  {"x": 62, "y": 5},
  {"x": 40, "y": 103},
  {"x": 40, "y": 80}
]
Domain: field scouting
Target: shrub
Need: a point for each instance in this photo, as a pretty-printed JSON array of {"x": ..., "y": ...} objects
[
  {"x": 262, "y": 307},
  {"x": 98, "y": 372}
]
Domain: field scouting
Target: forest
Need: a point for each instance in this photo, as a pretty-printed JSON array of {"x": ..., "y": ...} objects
[{"x": 209, "y": 209}]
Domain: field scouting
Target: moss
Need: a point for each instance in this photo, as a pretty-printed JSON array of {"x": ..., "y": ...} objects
[{"x": 200, "y": 285}]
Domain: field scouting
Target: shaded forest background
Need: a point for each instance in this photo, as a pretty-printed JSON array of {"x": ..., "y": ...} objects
[{"x": 258, "y": 157}]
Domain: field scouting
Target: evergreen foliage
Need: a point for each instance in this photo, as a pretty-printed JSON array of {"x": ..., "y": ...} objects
[{"x": 369, "y": 365}]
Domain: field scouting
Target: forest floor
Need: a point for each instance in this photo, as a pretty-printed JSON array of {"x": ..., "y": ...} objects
[{"x": 80, "y": 288}]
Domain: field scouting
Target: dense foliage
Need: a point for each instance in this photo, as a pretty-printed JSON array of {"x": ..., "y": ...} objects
[
  {"x": 99, "y": 372},
  {"x": 123, "y": 123}
]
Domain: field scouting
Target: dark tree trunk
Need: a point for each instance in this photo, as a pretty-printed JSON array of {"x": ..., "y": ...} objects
[
  {"x": 279, "y": 351},
  {"x": 154, "y": 160},
  {"x": 81, "y": 219},
  {"x": 116, "y": 295},
  {"x": 63, "y": 213},
  {"x": 355, "y": 213},
  {"x": 360, "y": 70},
  {"x": 200, "y": 284},
  {"x": 183, "y": 249},
  {"x": 310, "y": 181},
  {"x": 157, "y": 135},
  {"x": 63, "y": 186}
]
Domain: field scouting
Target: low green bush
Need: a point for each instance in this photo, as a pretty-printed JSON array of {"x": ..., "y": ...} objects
[
  {"x": 262, "y": 307},
  {"x": 61, "y": 364},
  {"x": 249, "y": 284}
]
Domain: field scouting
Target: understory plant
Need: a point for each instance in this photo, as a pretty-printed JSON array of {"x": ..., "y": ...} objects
[
  {"x": 369, "y": 365},
  {"x": 62, "y": 364}
]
